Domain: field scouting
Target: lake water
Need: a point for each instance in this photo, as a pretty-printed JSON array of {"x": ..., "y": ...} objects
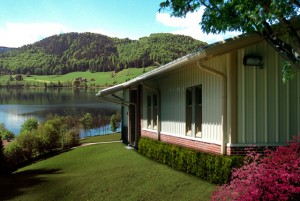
[{"x": 17, "y": 105}]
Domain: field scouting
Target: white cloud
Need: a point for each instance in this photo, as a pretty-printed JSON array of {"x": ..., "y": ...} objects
[
  {"x": 18, "y": 34},
  {"x": 190, "y": 26}
]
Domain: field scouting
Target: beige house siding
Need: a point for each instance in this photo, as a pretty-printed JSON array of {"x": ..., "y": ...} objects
[
  {"x": 173, "y": 88},
  {"x": 268, "y": 110}
]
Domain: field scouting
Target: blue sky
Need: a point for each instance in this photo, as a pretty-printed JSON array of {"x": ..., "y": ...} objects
[{"x": 27, "y": 21}]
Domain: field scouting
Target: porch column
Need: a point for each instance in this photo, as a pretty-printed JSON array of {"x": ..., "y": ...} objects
[{"x": 232, "y": 98}]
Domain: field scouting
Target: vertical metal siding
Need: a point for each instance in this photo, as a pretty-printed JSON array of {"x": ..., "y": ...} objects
[
  {"x": 268, "y": 110},
  {"x": 173, "y": 89}
]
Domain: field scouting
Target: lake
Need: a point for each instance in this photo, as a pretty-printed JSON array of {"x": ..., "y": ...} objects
[{"x": 17, "y": 105}]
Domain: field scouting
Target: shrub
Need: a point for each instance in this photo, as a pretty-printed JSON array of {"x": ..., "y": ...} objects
[
  {"x": 275, "y": 175},
  {"x": 35, "y": 140},
  {"x": 29, "y": 125},
  {"x": 71, "y": 138},
  {"x": 213, "y": 168},
  {"x": 13, "y": 154},
  {"x": 28, "y": 141},
  {"x": 51, "y": 135},
  {"x": 6, "y": 134}
]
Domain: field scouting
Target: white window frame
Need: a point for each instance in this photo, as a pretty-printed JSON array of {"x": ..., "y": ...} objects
[
  {"x": 194, "y": 111},
  {"x": 152, "y": 118}
]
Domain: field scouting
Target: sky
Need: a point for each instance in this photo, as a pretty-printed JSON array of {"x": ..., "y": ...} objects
[{"x": 24, "y": 22}]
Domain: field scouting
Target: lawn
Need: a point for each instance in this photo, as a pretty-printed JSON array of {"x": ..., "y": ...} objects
[
  {"x": 101, "y": 79},
  {"x": 102, "y": 138},
  {"x": 102, "y": 172}
]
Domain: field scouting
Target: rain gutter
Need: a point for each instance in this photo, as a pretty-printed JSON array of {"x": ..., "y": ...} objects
[{"x": 224, "y": 102}]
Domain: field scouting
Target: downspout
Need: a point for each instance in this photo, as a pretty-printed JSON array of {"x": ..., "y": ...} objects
[
  {"x": 158, "y": 108},
  {"x": 224, "y": 102},
  {"x": 125, "y": 103}
]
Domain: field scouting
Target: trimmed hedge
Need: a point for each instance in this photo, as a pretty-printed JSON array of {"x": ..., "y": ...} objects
[{"x": 212, "y": 168}]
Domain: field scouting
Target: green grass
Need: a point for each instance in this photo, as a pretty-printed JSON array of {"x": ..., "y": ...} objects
[
  {"x": 102, "y": 138},
  {"x": 102, "y": 79},
  {"x": 102, "y": 172}
]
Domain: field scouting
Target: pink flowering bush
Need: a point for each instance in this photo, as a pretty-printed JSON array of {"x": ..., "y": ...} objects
[{"x": 273, "y": 175}]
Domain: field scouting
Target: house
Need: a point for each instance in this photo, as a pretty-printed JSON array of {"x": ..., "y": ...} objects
[{"x": 221, "y": 99}]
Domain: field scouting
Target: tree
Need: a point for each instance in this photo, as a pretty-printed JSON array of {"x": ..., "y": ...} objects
[
  {"x": 28, "y": 74},
  {"x": 114, "y": 122},
  {"x": 86, "y": 121},
  {"x": 18, "y": 77},
  {"x": 269, "y": 18}
]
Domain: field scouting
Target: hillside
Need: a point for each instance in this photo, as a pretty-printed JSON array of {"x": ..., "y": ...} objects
[{"x": 64, "y": 53}]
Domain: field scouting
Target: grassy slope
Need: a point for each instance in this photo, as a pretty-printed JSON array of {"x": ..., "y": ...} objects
[
  {"x": 101, "y": 78},
  {"x": 102, "y": 172}
]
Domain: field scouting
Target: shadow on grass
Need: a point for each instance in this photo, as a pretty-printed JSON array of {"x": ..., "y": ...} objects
[{"x": 12, "y": 185}]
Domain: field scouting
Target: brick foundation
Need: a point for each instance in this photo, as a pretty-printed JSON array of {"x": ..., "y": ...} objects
[
  {"x": 149, "y": 134},
  {"x": 203, "y": 146},
  {"x": 244, "y": 150},
  {"x": 192, "y": 144},
  {"x": 236, "y": 151}
]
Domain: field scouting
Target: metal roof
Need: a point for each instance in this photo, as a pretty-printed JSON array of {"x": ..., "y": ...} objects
[{"x": 206, "y": 52}]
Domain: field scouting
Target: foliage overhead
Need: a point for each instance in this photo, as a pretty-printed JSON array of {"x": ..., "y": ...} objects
[
  {"x": 64, "y": 53},
  {"x": 269, "y": 18}
]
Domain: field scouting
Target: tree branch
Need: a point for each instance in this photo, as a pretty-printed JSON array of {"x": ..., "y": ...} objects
[
  {"x": 284, "y": 49},
  {"x": 296, "y": 2},
  {"x": 292, "y": 32}
]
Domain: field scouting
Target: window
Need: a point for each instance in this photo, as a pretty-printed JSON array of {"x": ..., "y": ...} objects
[
  {"x": 149, "y": 111},
  {"x": 152, "y": 111},
  {"x": 194, "y": 111},
  {"x": 155, "y": 111}
]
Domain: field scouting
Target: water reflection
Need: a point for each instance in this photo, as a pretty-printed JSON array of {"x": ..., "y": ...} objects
[{"x": 17, "y": 105}]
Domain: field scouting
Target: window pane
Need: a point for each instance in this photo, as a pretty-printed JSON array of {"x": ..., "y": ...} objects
[
  {"x": 155, "y": 110},
  {"x": 198, "y": 111},
  {"x": 148, "y": 111}
]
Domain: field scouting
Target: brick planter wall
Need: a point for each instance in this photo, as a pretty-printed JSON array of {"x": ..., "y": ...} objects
[
  {"x": 149, "y": 134},
  {"x": 244, "y": 150},
  {"x": 192, "y": 144}
]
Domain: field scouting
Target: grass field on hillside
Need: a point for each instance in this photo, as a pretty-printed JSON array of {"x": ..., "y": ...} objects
[
  {"x": 102, "y": 138},
  {"x": 102, "y": 172},
  {"x": 101, "y": 79}
]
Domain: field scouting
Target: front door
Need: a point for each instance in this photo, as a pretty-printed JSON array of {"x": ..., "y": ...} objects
[{"x": 134, "y": 116}]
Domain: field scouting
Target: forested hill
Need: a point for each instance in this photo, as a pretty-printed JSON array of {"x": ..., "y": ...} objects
[{"x": 64, "y": 53}]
